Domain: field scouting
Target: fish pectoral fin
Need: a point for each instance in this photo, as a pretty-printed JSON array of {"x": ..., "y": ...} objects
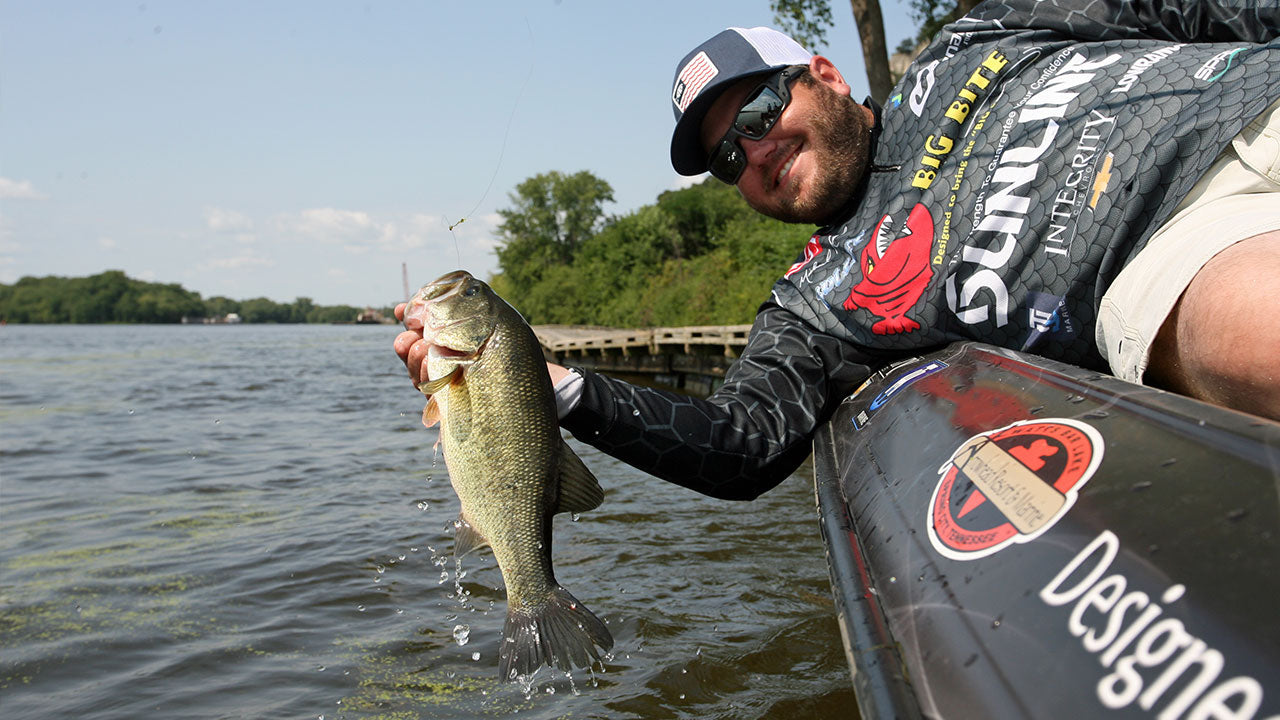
[
  {"x": 431, "y": 413},
  {"x": 466, "y": 538},
  {"x": 431, "y": 387},
  {"x": 579, "y": 489}
]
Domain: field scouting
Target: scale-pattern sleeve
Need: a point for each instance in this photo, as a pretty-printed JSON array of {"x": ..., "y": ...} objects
[
  {"x": 1256, "y": 21},
  {"x": 746, "y": 437}
]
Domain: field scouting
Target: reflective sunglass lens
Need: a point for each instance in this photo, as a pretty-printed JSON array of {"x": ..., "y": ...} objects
[
  {"x": 728, "y": 162},
  {"x": 759, "y": 114}
]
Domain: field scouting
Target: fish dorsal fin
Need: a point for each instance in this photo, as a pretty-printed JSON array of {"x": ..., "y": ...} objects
[
  {"x": 579, "y": 489},
  {"x": 466, "y": 538},
  {"x": 431, "y": 387}
]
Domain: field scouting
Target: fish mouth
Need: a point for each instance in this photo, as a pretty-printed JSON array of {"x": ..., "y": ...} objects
[
  {"x": 444, "y": 286},
  {"x": 447, "y": 353}
]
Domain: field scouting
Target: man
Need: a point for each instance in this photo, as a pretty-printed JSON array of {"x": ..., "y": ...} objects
[{"x": 1100, "y": 188}]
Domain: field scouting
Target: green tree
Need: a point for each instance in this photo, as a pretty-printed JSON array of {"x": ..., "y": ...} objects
[
  {"x": 220, "y": 306},
  {"x": 263, "y": 310},
  {"x": 553, "y": 214},
  {"x": 301, "y": 309},
  {"x": 700, "y": 213},
  {"x": 807, "y": 21}
]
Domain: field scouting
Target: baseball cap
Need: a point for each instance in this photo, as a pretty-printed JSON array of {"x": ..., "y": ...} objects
[{"x": 709, "y": 69}]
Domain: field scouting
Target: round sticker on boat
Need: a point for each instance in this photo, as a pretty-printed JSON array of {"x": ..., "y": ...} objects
[{"x": 1010, "y": 485}]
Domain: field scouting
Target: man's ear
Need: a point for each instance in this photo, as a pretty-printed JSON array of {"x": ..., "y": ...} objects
[{"x": 825, "y": 72}]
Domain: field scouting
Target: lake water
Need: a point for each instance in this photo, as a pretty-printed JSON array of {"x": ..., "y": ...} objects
[{"x": 250, "y": 521}]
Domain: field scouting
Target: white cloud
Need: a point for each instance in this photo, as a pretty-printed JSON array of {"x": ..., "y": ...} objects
[
  {"x": 19, "y": 190},
  {"x": 227, "y": 221},
  {"x": 684, "y": 181},
  {"x": 239, "y": 262},
  {"x": 330, "y": 225}
]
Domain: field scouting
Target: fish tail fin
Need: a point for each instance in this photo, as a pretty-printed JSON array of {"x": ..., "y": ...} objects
[{"x": 561, "y": 633}]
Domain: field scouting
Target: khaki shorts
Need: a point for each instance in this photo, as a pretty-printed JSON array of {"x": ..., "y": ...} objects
[{"x": 1238, "y": 197}]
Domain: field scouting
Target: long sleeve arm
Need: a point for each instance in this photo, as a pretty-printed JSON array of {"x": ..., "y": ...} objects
[
  {"x": 745, "y": 438},
  {"x": 1256, "y": 21}
]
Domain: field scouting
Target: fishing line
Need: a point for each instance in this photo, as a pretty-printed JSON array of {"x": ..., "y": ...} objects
[{"x": 503, "y": 151}]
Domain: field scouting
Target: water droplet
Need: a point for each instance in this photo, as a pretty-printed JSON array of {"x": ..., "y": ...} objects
[
  {"x": 551, "y": 690},
  {"x": 320, "y": 669},
  {"x": 576, "y": 517},
  {"x": 444, "y": 577},
  {"x": 893, "y": 579},
  {"x": 1237, "y": 514},
  {"x": 1141, "y": 485},
  {"x": 461, "y": 634},
  {"x": 423, "y": 505},
  {"x": 360, "y": 608},
  {"x": 475, "y": 656},
  {"x": 130, "y": 410},
  {"x": 1071, "y": 398},
  {"x": 995, "y": 623},
  {"x": 381, "y": 569},
  {"x": 399, "y": 611},
  {"x": 401, "y": 557},
  {"x": 217, "y": 421},
  {"x": 681, "y": 696}
]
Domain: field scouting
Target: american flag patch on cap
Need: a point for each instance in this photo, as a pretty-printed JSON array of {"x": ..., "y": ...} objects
[{"x": 692, "y": 79}]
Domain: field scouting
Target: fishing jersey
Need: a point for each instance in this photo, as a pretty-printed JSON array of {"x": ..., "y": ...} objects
[{"x": 1027, "y": 154}]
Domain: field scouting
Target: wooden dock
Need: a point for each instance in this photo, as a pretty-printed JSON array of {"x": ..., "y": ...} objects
[{"x": 686, "y": 357}]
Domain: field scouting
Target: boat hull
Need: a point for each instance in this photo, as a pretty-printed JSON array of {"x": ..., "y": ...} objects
[{"x": 1013, "y": 537}]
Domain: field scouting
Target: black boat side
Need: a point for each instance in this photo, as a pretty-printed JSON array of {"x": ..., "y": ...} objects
[{"x": 1010, "y": 537}]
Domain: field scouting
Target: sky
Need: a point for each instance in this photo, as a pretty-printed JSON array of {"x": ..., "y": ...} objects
[{"x": 288, "y": 149}]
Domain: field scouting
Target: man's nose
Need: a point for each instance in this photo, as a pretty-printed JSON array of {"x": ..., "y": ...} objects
[{"x": 758, "y": 151}]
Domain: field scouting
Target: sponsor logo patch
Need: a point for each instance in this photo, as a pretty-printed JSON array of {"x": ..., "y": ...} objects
[
  {"x": 1049, "y": 319},
  {"x": 1209, "y": 72},
  {"x": 1010, "y": 485},
  {"x": 894, "y": 388},
  {"x": 895, "y": 271},
  {"x": 811, "y": 251}
]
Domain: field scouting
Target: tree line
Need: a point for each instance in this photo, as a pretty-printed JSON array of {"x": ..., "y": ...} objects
[
  {"x": 113, "y": 297},
  {"x": 697, "y": 256}
]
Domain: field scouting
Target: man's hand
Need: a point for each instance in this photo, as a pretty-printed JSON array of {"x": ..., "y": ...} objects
[{"x": 412, "y": 350}]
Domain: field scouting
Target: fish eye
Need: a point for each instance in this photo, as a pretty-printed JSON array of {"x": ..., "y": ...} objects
[{"x": 470, "y": 291}]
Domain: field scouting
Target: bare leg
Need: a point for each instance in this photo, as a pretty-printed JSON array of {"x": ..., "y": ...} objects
[{"x": 1221, "y": 342}]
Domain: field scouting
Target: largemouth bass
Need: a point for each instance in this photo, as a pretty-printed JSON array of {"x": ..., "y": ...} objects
[{"x": 490, "y": 393}]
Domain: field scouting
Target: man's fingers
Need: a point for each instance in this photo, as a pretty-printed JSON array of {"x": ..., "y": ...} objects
[
  {"x": 417, "y": 354},
  {"x": 400, "y": 311},
  {"x": 404, "y": 341}
]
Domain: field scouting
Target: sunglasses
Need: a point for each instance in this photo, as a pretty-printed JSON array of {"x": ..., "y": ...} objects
[{"x": 754, "y": 120}]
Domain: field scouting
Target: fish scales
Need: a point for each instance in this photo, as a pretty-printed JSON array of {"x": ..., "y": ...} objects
[{"x": 508, "y": 464}]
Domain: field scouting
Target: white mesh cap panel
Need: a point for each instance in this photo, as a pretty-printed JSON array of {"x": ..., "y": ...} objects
[{"x": 774, "y": 47}]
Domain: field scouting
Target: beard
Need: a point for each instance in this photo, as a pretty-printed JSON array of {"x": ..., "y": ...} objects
[{"x": 840, "y": 137}]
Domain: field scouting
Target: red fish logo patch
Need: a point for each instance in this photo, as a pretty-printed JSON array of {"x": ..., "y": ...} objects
[{"x": 895, "y": 272}]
